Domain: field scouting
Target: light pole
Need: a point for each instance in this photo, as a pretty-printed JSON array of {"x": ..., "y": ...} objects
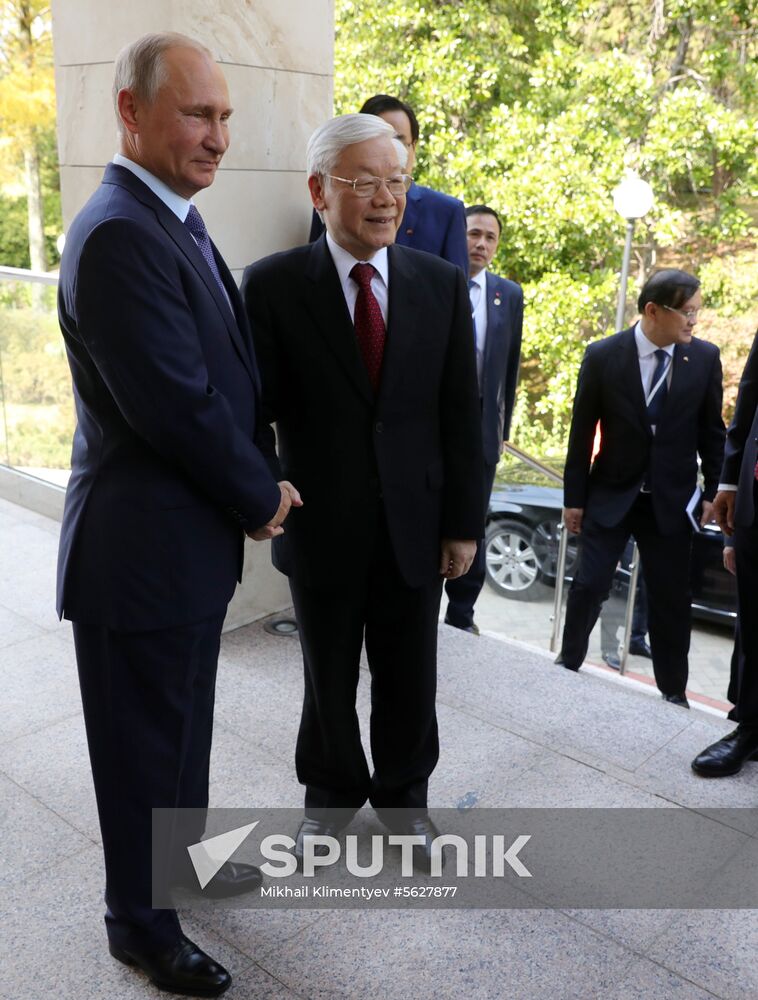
[{"x": 632, "y": 199}]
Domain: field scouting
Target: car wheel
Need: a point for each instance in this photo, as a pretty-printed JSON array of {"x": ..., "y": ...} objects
[
  {"x": 512, "y": 567},
  {"x": 546, "y": 542}
]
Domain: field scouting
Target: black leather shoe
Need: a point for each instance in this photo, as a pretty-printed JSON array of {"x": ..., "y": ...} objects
[
  {"x": 403, "y": 825},
  {"x": 472, "y": 628},
  {"x": 182, "y": 968},
  {"x": 640, "y": 648},
  {"x": 676, "y": 699},
  {"x": 314, "y": 828},
  {"x": 726, "y": 756},
  {"x": 232, "y": 879},
  {"x": 562, "y": 663},
  {"x": 612, "y": 660}
]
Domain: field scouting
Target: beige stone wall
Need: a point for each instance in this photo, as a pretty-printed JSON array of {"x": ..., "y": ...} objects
[{"x": 277, "y": 56}]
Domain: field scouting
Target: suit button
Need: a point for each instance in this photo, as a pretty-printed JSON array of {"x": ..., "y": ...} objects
[{"x": 378, "y": 427}]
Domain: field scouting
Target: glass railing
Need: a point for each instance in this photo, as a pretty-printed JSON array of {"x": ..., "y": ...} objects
[
  {"x": 36, "y": 404},
  {"x": 530, "y": 565}
]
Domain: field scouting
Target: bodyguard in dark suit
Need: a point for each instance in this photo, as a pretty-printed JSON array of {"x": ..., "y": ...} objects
[
  {"x": 497, "y": 308},
  {"x": 655, "y": 391},
  {"x": 736, "y": 509},
  {"x": 366, "y": 352},
  {"x": 167, "y": 476},
  {"x": 432, "y": 221}
]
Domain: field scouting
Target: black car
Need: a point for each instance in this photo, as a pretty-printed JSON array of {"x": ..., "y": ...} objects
[{"x": 522, "y": 545}]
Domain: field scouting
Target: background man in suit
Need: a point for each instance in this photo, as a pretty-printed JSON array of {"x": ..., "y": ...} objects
[
  {"x": 497, "y": 308},
  {"x": 369, "y": 373},
  {"x": 656, "y": 392},
  {"x": 736, "y": 509},
  {"x": 432, "y": 221},
  {"x": 166, "y": 474}
]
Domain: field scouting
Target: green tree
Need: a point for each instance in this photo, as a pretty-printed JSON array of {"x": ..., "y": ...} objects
[{"x": 537, "y": 107}]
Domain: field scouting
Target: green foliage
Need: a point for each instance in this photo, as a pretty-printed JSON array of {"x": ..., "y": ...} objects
[
  {"x": 730, "y": 284},
  {"x": 538, "y": 107}
]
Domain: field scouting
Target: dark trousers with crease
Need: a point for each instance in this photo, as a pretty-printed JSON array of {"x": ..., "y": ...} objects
[
  {"x": 665, "y": 561},
  {"x": 398, "y": 625},
  {"x": 148, "y": 709},
  {"x": 745, "y": 691},
  {"x": 462, "y": 593}
]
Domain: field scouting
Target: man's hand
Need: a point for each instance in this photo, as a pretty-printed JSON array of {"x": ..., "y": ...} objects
[
  {"x": 723, "y": 510},
  {"x": 572, "y": 518},
  {"x": 290, "y": 498},
  {"x": 456, "y": 557},
  {"x": 707, "y": 516}
]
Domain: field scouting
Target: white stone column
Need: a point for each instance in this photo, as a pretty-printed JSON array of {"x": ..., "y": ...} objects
[{"x": 277, "y": 56}]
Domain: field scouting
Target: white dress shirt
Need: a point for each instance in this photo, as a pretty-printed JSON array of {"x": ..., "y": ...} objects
[
  {"x": 380, "y": 282},
  {"x": 646, "y": 353},
  {"x": 478, "y": 295}
]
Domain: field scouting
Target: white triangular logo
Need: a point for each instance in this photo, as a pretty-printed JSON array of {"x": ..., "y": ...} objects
[{"x": 208, "y": 856}]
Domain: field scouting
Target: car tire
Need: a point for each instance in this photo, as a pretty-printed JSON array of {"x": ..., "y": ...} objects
[{"x": 512, "y": 566}]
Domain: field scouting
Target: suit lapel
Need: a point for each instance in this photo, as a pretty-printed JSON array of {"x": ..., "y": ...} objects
[
  {"x": 680, "y": 381},
  {"x": 630, "y": 379},
  {"x": 180, "y": 235},
  {"x": 410, "y": 216},
  {"x": 498, "y": 330},
  {"x": 326, "y": 303},
  {"x": 403, "y": 315}
]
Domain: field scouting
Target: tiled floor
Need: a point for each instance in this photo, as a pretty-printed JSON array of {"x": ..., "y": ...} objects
[{"x": 515, "y": 730}]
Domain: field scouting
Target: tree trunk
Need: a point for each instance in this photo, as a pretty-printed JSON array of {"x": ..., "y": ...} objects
[{"x": 35, "y": 218}]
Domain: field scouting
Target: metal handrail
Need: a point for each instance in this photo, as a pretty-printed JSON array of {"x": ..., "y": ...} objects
[
  {"x": 533, "y": 463},
  {"x": 23, "y": 274}
]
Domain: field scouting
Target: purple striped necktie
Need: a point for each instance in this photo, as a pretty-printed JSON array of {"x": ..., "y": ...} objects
[{"x": 194, "y": 222}]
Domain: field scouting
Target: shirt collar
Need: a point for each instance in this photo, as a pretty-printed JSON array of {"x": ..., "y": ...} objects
[
  {"x": 646, "y": 347},
  {"x": 481, "y": 280},
  {"x": 178, "y": 205},
  {"x": 344, "y": 261}
]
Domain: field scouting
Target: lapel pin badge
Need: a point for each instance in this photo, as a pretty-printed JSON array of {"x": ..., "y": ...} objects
[
  {"x": 685, "y": 358},
  {"x": 497, "y": 300}
]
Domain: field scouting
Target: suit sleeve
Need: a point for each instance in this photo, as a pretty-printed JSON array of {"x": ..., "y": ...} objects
[
  {"x": 584, "y": 420},
  {"x": 513, "y": 360},
  {"x": 136, "y": 322},
  {"x": 461, "y": 428},
  {"x": 455, "y": 244},
  {"x": 711, "y": 431},
  {"x": 744, "y": 416}
]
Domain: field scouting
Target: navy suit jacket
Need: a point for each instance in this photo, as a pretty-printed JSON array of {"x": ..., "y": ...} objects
[
  {"x": 166, "y": 468},
  {"x": 502, "y": 350},
  {"x": 432, "y": 221},
  {"x": 741, "y": 452},
  {"x": 609, "y": 390},
  {"x": 413, "y": 452}
]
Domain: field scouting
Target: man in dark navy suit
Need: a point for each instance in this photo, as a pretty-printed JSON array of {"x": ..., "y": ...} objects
[
  {"x": 736, "y": 509},
  {"x": 167, "y": 478},
  {"x": 656, "y": 392},
  {"x": 432, "y": 221},
  {"x": 497, "y": 308}
]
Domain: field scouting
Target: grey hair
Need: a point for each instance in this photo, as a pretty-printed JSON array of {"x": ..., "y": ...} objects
[
  {"x": 140, "y": 67},
  {"x": 328, "y": 141}
]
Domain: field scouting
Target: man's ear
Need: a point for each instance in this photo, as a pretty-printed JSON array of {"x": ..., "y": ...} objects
[
  {"x": 316, "y": 187},
  {"x": 127, "y": 110}
]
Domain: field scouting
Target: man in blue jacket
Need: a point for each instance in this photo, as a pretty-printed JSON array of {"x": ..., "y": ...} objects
[
  {"x": 432, "y": 221},
  {"x": 167, "y": 477}
]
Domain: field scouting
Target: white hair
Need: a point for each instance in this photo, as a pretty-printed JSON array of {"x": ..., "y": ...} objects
[
  {"x": 140, "y": 67},
  {"x": 328, "y": 141}
]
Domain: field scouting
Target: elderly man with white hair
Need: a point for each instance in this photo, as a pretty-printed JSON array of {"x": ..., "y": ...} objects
[{"x": 367, "y": 360}]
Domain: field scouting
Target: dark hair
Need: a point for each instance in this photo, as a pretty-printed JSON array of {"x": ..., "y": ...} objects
[
  {"x": 485, "y": 210},
  {"x": 668, "y": 287},
  {"x": 383, "y": 102}
]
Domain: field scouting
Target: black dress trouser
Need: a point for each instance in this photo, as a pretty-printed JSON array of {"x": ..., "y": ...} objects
[
  {"x": 746, "y": 554},
  {"x": 666, "y": 568}
]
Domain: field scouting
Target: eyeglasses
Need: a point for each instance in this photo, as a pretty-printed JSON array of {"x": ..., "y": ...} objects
[
  {"x": 367, "y": 187},
  {"x": 687, "y": 313}
]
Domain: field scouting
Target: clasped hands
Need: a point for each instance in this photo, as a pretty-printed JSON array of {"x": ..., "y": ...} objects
[{"x": 290, "y": 498}]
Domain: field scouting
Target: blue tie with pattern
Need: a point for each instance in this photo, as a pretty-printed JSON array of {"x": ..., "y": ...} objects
[
  {"x": 658, "y": 401},
  {"x": 194, "y": 222}
]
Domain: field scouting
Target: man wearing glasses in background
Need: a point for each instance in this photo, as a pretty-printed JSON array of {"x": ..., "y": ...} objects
[
  {"x": 656, "y": 392},
  {"x": 367, "y": 362}
]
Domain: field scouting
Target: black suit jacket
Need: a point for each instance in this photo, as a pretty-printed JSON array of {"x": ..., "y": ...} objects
[
  {"x": 741, "y": 452},
  {"x": 502, "y": 350},
  {"x": 166, "y": 468},
  {"x": 415, "y": 450},
  {"x": 609, "y": 391}
]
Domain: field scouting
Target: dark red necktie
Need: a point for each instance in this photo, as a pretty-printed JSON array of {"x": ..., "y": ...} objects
[
  {"x": 369, "y": 324},
  {"x": 755, "y": 473}
]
